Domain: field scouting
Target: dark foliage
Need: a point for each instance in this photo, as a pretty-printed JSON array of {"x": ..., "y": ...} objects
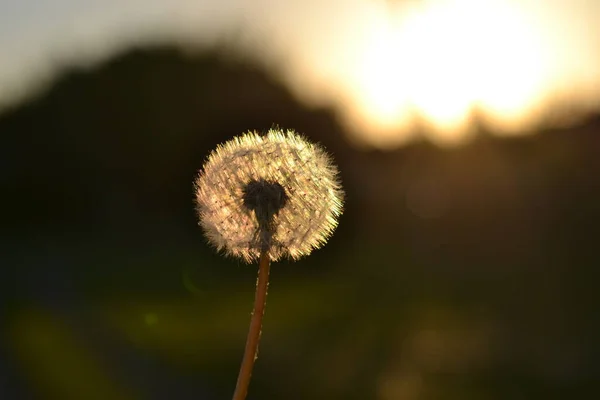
[{"x": 97, "y": 195}]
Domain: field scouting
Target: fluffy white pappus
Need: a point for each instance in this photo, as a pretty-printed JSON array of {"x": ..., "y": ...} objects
[{"x": 304, "y": 170}]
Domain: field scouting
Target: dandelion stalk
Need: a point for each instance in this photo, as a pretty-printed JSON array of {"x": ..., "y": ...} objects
[
  {"x": 267, "y": 197},
  {"x": 251, "y": 351}
]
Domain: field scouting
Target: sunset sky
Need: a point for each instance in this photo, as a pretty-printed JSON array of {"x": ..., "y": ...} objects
[{"x": 384, "y": 65}]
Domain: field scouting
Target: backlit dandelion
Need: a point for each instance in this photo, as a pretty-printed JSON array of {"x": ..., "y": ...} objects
[
  {"x": 295, "y": 180},
  {"x": 266, "y": 197}
]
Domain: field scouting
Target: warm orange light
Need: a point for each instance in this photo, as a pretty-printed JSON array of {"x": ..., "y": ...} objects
[{"x": 440, "y": 60}]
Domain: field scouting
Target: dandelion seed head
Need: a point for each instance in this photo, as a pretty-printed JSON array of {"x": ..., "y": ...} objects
[{"x": 277, "y": 191}]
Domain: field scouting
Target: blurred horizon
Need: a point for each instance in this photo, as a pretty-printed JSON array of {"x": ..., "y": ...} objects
[{"x": 392, "y": 70}]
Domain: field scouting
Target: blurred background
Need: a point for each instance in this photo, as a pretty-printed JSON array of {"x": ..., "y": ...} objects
[{"x": 465, "y": 265}]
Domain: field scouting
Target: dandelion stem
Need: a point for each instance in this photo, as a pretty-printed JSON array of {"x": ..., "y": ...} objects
[{"x": 251, "y": 351}]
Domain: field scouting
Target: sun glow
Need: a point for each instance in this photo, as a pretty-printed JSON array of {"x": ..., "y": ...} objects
[
  {"x": 438, "y": 62},
  {"x": 392, "y": 69}
]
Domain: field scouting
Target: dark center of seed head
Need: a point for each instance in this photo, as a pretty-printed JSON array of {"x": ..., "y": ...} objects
[{"x": 265, "y": 198}]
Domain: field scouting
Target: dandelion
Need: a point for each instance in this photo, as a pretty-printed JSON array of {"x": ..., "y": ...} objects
[
  {"x": 265, "y": 197},
  {"x": 276, "y": 191}
]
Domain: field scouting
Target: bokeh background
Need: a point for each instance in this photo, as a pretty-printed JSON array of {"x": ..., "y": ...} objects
[{"x": 465, "y": 265}]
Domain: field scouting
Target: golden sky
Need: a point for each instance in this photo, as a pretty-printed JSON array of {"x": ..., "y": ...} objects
[{"x": 386, "y": 66}]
